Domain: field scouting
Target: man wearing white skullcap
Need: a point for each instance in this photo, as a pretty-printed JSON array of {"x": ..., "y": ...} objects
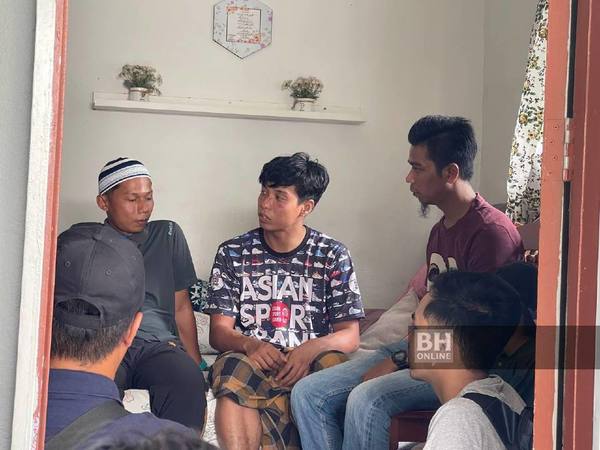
[{"x": 164, "y": 357}]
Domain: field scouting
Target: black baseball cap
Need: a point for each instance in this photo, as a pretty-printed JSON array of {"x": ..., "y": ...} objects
[{"x": 98, "y": 265}]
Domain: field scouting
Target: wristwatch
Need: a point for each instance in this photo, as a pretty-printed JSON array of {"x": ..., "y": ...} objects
[{"x": 400, "y": 358}]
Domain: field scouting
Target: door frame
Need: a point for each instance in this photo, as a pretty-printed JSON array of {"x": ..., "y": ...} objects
[
  {"x": 568, "y": 277},
  {"x": 582, "y": 274},
  {"x": 41, "y": 219},
  {"x": 551, "y": 225}
]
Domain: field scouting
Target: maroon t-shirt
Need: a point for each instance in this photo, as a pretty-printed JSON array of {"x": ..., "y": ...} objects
[{"x": 483, "y": 240}]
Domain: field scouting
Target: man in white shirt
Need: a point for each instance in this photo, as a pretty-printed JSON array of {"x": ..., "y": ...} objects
[{"x": 461, "y": 327}]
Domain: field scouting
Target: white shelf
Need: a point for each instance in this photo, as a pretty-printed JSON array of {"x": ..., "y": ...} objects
[{"x": 226, "y": 108}]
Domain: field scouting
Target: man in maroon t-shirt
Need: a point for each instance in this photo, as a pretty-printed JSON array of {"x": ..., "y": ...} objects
[
  {"x": 471, "y": 236},
  {"x": 482, "y": 240}
]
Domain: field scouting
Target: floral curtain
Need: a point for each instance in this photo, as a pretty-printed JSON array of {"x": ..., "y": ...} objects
[{"x": 523, "y": 186}]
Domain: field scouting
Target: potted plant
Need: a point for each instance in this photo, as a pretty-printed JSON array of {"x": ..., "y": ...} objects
[
  {"x": 305, "y": 92},
  {"x": 140, "y": 80}
]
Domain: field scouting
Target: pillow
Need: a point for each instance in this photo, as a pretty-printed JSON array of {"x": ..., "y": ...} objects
[
  {"x": 203, "y": 329},
  {"x": 393, "y": 324},
  {"x": 372, "y": 315},
  {"x": 136, "y": 400},
  {"x": 198, "y": 295}
]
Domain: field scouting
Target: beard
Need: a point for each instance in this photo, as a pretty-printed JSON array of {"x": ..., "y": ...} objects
[{"x": 424, "y": 209}]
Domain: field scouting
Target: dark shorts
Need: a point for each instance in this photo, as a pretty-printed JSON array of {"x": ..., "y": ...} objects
[{"x": 175, "y": 383}]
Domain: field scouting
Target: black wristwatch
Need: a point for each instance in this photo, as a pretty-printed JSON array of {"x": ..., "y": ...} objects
[{"x": 400, "y": 358}]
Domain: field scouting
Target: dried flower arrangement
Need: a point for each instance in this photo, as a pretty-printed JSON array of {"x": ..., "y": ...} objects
[
  {"x": 136, "y": 76},
  {"x": 303, "y": 87}
]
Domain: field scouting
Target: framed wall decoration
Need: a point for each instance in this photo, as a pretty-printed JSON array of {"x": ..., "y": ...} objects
[{"x": 242, "y": 26}]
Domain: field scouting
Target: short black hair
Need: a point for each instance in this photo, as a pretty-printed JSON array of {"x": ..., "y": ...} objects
[
  {"x": 309, "y": 177},
  {"x": 448, "y": 140},
  {"x": 481, "y": 309},
  {"x": 85, "y": 345},
  {"x": 522, "y": 276}
]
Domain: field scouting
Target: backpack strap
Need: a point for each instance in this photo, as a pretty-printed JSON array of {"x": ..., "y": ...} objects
[
  {"x": 86, "y": 425},
  {"x": 504, "y": 420}
]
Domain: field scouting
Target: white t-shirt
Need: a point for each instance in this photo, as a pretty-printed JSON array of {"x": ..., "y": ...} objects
[{"x": 461, "y": 424}]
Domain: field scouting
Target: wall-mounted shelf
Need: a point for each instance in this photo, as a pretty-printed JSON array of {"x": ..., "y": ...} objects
[{"x": 226, "y": 108}]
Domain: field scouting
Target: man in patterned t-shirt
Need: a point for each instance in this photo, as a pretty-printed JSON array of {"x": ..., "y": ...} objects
[{"x": 283, "y": 297}]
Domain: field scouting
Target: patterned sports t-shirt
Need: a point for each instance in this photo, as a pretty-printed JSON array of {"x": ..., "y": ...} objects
[{"x": 284, "y": 298}]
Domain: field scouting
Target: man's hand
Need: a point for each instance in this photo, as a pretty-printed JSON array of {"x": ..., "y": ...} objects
[
  {"x": 186, "y": 325},
  {"x": 298, "y": 363},
  {"x": 265, "y": 355},
  {"x": 224, "y": 338},
  {"x": 385, "y": 367}
]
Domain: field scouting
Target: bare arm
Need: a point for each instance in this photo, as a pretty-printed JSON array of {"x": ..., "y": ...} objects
[
  {"x": 345, "y": 338},
  {"x": 224, "y": 337},
  {"x": 186, "y": 324}
]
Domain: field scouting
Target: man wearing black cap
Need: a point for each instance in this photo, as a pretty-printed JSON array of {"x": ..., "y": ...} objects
[
  {"x": 99, "y": 293},
  {"x": 164, "y": 357}
]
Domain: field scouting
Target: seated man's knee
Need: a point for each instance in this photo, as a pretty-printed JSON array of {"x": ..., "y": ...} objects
[
  {"x": 301, "y": 391},
  {"x": 194, "y": 381},
  {"x": 309, "y": 386},
  {"x": 363, "y": 396},
  {"x": 184, "y": 375},
  {"x": 327, "y": 359},
  {"x": 187, "y": 381},
  {"x": 225, "y": 366},
  {"x": 311, "y": 391},
  {"x": 305, "y": 399}
]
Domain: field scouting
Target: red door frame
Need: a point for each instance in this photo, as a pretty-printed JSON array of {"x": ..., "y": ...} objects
[
  {"x": 582, "y": 276},
  {"x": 583, "y": 217},
  {"x": 50, "y": 234},
  {"x": 557, "y": 58}
]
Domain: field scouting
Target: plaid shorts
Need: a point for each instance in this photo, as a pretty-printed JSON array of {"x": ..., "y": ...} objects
[{"x": 236, "y": 376}]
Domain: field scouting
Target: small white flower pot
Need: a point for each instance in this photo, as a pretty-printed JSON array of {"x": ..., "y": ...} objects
[
  {"x": 138, "y": 94},
  {"x": 304, "y": 104}
]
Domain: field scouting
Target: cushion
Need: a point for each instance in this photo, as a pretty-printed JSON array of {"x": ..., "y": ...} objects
[
  {"x": 198, "y": 295},
  {"x": 419, "y": 281},
  {"x": 136, "y": 400},
  {"x": 203, "y": 330},
  {"x": 372, "y": 315},
  {"x": 393, "y": 324}
]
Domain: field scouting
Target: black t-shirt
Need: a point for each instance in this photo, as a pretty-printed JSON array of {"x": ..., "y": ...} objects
[
  {"x": 169, "y": 268},
  {"x": 284, "y": 298}
]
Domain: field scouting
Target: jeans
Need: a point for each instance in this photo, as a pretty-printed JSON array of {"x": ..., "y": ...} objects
[{"x": 333, "y": 409}]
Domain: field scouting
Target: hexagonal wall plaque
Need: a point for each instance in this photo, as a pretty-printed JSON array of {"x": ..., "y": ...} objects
[{"x": 242, "y": 26}]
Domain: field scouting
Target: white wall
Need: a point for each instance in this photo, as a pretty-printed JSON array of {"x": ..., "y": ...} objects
[
  {"x": 17, "y": 24},
  {"x": 397, "y": 59},
  {"x": 507, "y": 26}
]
